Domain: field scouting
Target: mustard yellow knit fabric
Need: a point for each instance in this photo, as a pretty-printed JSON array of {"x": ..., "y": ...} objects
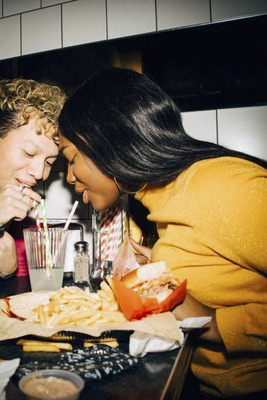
[{"x": 212, "y": 225}]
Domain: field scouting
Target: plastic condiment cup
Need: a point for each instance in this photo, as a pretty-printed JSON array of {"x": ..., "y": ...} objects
[{"x": 48, "y": 374}]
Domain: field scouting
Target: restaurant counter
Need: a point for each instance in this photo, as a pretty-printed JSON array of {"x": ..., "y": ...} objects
[{"x": 157, "y": 376}]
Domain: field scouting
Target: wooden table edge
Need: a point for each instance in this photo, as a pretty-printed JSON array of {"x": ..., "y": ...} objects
[{"x": 174, "y": 385}]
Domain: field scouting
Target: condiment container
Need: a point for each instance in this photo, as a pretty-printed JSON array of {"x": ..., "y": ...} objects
[
  {"x": 81, "y": 262},
  {"x": 51, "y": 384},
  {"x": 75, "y": 234}
]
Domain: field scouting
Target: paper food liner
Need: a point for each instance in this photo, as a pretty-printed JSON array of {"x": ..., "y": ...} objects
[
  {"x": 161, "y": 322},
  {"x": 131, "y": 303},
  {"x": 164, "y": 324}
]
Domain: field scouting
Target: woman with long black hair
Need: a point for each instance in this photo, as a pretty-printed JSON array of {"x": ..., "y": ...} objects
[{"x": 122, "y": 134}]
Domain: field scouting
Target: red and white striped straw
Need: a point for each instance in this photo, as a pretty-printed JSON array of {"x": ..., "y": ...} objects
[
  {"x": 36, "y": 215},
  {"x": 40, "y": 254},
  {"x": 104, "y": 238},
  {"x": 48, "y": 261},
  {"x": 112, "y": 233}
]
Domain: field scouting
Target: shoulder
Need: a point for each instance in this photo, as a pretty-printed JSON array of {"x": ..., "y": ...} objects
[
  {"x": 223, "y": 189},
  {"x": 224, "y": 175}
]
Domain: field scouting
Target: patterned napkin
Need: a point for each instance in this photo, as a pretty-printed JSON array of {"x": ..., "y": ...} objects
[{"x": 93, "y": 363}]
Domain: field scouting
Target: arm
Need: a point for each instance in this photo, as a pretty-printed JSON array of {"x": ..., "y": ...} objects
[
  {"x": 191, "y": 308},
  {"x": 239, "y": 222},
  {"x": 248, "y": 327},
  {"x": 8, "y": 256},
  {"x": 13, "y": 205}
]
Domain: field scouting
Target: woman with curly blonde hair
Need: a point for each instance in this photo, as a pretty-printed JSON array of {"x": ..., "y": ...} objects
[{"x": 29, "y": 113}]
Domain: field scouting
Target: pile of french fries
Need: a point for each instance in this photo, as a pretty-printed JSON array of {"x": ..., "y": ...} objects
[{"x": 72, "y": 306}]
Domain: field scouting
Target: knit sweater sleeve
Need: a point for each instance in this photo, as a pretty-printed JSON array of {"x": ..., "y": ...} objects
[
  {"x": 243, "y": 327},
  {"x": 231, "y": 210},
  {"x": 212, "y": 226},
  {"x": 240, "y": 224}
]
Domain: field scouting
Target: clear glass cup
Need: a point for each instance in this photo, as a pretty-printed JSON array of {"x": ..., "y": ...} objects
[
  {"x": 45, "y": 257},
  {"x": 51, "y": 384}
]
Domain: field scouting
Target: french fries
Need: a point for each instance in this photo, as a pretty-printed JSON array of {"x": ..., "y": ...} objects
[
  {"x": 39, "y": 345},
  {"x": 73, "y": 306}
]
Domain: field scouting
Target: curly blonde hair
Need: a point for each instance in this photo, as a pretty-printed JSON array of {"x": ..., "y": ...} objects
[{"x": 24, "y": 99}]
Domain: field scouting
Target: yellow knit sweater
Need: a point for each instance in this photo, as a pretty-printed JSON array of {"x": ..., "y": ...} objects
[{"x": 212, "y": 226}]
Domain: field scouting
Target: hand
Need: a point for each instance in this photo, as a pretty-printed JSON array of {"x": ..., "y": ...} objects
[
  {"x": 8, "y": 255},
  {"x": 144, "y": 255},
  {"x": 190, "y": 307},
  {"x": 16, "y": 204}
]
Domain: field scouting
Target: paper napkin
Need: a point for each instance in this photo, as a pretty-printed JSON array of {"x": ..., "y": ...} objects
[
  {"x": 7, "y": 369},
  {"x": 143, "y": 343}
]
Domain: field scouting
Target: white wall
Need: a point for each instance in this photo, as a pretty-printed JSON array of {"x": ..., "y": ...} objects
[{"x": 31, "y": 26}]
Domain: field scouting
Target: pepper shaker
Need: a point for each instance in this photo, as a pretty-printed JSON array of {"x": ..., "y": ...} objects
[{"x": 81, "y": 262}]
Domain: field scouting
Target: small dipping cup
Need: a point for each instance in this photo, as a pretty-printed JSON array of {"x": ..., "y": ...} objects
[{"x": 38, "y": 385}]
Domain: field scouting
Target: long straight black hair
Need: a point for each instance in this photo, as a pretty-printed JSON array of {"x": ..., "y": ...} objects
[{"x": 132, "y": 130}]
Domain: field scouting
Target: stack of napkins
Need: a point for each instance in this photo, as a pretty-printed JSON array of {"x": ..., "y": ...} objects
[
  {"x": 7, "y": 369},
  {"x": 143, "y": 343}
]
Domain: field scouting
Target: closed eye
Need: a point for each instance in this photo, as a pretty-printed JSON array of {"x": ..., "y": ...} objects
[
  {"x": 28, "y": 154},
  {"x": 49, "y": 164},
  {"x": 73, "y": 160}
]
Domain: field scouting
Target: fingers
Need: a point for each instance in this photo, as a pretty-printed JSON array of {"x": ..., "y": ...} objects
[
  {"x": 18, "y": 210},
  {"x": 145, "y": 251},
  {"x": 141, "y": 260},
  {"x": 25, "y": 191},
  {"x": 24, "y": 197},
  {"x": 16, "y": 202}
]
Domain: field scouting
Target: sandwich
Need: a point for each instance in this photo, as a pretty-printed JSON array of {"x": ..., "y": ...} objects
[{"x": 152, "y": 280}]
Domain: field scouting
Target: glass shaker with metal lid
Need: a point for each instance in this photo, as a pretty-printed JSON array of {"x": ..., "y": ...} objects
[{"x": 81, "y": 262}]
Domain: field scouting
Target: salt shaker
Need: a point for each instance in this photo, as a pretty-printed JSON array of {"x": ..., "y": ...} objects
[{"x": 81, "y": 262}]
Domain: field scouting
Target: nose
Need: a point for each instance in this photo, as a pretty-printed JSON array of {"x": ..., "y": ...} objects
[
  {"x": 37, "y": 169},
  {"x": 70, "y": 176}
]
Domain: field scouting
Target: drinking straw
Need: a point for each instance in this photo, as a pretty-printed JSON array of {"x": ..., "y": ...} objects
[
  {"x": 115, "y": 233},
  {"x": 40, "y": 254},
  {"x": 48, "y": 265},
  {"x": 104, "y": 238},
  {"x": 36, "y": 215},
  {"x": 112, "y": 231},
  {"x": 71, "y": 215}
]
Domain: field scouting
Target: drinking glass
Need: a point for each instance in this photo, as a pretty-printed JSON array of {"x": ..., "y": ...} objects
[{"x": 45, "y": 252}]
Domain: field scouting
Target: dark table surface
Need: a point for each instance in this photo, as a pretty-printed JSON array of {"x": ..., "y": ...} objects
[{"x": 156, "y": 376}]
